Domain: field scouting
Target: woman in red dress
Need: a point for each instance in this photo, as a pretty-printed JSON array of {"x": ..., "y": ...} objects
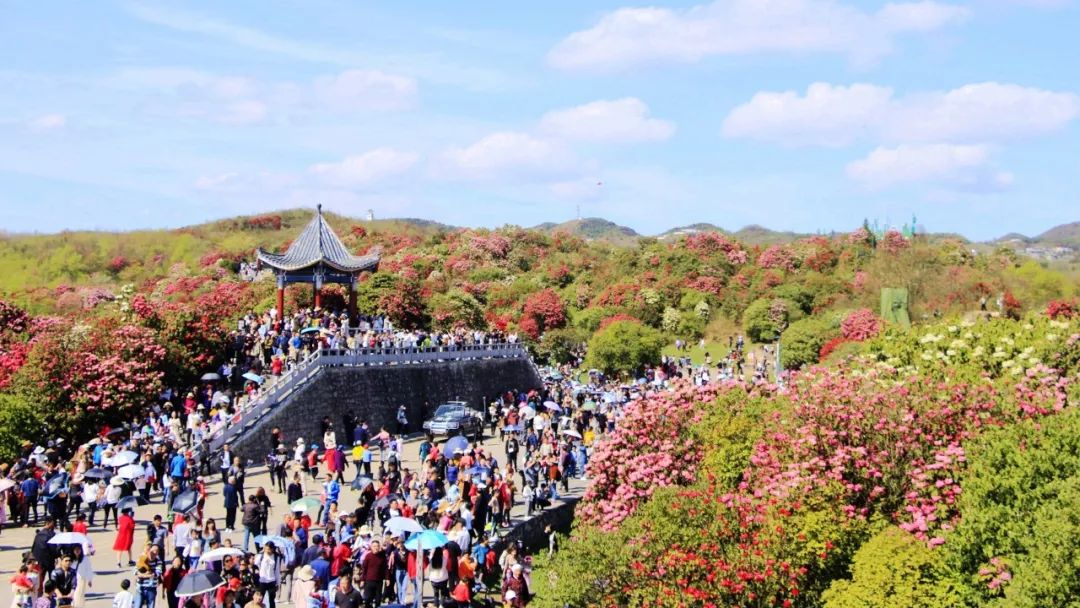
[{"x": 125, "y": 536}]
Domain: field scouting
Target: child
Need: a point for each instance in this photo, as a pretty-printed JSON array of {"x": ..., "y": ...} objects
[
  {"x": 22, "y": 588},
  {"x": 123, "y": 599}
]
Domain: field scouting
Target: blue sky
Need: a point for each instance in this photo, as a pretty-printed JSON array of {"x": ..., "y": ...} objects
[{"x": 795, "y": 114}]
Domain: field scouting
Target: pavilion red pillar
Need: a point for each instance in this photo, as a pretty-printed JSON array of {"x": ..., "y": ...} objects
[
  {"x": 281, "y": 304},
  {"x": 318, "y": 295}
]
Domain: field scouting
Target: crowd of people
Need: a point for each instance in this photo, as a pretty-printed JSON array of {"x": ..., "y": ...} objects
[{"x": 338, "y": 536}]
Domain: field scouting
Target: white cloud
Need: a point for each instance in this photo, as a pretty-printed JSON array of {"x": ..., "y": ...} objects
[
  {"x": 987, "y": 111},
  {"x": 196, "y": 94},
  {"x": 48, "y": 122},
  {"x": 617, "y": 121},
  {"x": 629, "y": 37},
  {"x": 364, "y": 169},
  {"x": 827, "y": 115},
  {"x": 508, "y": 155},
  {"x": 354, "y": 90},
  {"x": 835, "y": 115},
  {"x": 965, "y": 167}
]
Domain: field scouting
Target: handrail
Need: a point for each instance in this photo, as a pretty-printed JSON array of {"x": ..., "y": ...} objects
[{"x": 312, "y": 364}]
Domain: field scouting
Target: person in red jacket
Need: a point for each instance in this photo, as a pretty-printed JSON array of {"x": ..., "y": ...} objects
[{"x": 341, "y": 556}]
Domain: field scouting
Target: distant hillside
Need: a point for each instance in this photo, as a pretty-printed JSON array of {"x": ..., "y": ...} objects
[
  {"x": 1065, "y": 235},
  {"x": 690, "y": 229},
  {"x": 759, "y": 235},
  {"x": 594, "y": 229}
]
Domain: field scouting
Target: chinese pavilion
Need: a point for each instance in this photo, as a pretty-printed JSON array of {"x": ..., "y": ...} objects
[{"x": 318, "y": 257}]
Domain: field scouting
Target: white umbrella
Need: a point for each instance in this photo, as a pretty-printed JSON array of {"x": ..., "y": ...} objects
[
  {"x": 7, "y": 484},
  {"x": 551, "y": 405},
  {"x": 571, "y": 433},
  {"x": 72, "y": 538},
  {"x": 131, "y": 471},
  {"x": 216, "y": 555},
  {"x": 123, "y": 458},
  {"x": 398, "y": 525},
  {"x": 526, "y": 411}
]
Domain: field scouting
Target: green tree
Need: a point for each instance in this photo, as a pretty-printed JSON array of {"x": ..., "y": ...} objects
[
  {"x": 766, "y": 317},
  {"x": 19, "y": 420},
  {"x": 894, "y": 570},
  {"x": 624, "y": 346},
  {"x": 802, "y": 341},
  {"x": 559, "y": 346}
]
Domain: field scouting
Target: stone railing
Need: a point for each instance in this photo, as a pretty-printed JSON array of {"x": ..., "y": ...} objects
[{"x": 284, "y": 386}]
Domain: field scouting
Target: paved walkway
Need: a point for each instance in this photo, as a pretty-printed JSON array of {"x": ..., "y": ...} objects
[{"x": 15, "y": 541}]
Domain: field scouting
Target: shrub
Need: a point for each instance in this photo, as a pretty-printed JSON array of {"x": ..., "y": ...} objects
[
  {"x": 860, "y": 325},
  {"x": 894, "y": 570},
  {"x": 802, "y": 342},
  {"x": 624, "y": 347},
  {"x": 1061, "y": 309},
  {"x": 19, "y": 419},
  {"x": 765, "y": 317}
]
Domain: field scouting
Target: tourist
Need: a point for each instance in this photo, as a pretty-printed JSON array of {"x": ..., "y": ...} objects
[
  {"x": 250, "y": 520},
  {"x": 64, "y": 578},
  {"x": 125, "y": 536},
  {"x": 231, "y": 498},
  {"x": 269, "y": 565},
  {"x": 44, "y": 553},
  {"x": 373, "y": 573},
  {"x": 517, "y": 584},
  {"x": 84, "y": 575},
  {"x": 124, "y": 598},
  {"x": 170, "y": 580},
  {"x": 345, "y": 596}
]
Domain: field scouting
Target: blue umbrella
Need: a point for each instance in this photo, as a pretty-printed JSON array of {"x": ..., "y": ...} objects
[
  {"x": 309, "y": 330},
  {"x": 56, "y": 484},
  {"x": 286, "y": 547},
  {"x": 512, "y": 428},
  {"x": 253, "y": 377},
  {"x": 454, "y": 444},
  {"x": 428, "y": 539}
]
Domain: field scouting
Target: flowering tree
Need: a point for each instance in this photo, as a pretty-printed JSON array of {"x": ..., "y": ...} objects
[
  {"x": 546, "y": 310},
  {"x": 91, "y": 374}
]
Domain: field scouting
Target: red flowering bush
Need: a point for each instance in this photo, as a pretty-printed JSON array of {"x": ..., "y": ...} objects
[
  {"x": 606, "y": 321},
  {"x": 830, "y": 346},
  {"x": 1062, "y": 309},
  {"x": 546, "y": 311},
  {"x": 777, "y": 257},
  {"x": 860, "y": 325},
  {"x": 13, "y": 320},
  {"x": 91, "y": 375},
  {"x": 117, "y": 264},
  {"x": 893, "y": 242}
]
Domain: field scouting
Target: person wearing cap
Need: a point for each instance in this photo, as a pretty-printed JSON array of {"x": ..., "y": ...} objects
[{"x": 312, "y": 551}]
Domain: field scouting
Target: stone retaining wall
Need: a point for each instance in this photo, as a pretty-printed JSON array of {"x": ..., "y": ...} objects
[{"x": 375, "y": 392}]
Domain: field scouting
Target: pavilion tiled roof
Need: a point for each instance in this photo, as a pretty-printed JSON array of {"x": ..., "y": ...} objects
[{"x": 317, "y": 244}]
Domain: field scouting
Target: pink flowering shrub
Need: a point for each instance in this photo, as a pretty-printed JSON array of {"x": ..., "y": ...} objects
[
  {"x": 651, "y": 448},
  {"x": 777, "y": 257},
  {"x": 860, "y": 325}
]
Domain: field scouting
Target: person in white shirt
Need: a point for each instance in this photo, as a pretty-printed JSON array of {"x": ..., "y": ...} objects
[{"x": 124, "y": 599}]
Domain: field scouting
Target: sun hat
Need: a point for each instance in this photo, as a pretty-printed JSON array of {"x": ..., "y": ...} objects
[
  {"x": 510, "y": 596},
  {"x": 306, "y": 573},
  {"x": 116, "y": 481},
  {"x": 365, "y": 530}
]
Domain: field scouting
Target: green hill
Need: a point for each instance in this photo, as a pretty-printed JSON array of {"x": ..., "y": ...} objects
[{"x": 594, "y": 229}]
